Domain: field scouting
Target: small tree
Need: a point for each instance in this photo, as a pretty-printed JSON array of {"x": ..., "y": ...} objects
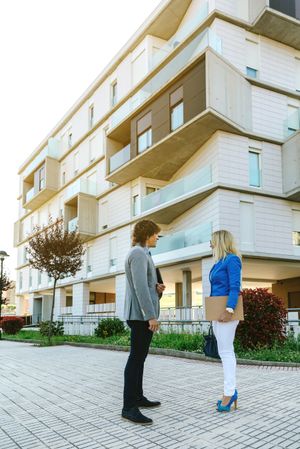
[
  {"x": 5, "y": 285},
  {"x": 57, "y": 252},
  {"x": 265, "y": 319}
]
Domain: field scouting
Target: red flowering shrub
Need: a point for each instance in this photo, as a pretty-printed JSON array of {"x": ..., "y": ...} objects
[
  {"x": 12, "y": 324},
  {"x": 265, "y": 316}
]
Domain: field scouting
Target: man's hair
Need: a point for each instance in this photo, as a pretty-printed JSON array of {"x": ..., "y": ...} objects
[{"x": 143, "y": 230}]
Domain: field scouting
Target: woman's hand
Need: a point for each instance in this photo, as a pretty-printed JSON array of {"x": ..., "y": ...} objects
[
  {"x": 225, "y": 317},
  {"x": 160, "y": 288}
]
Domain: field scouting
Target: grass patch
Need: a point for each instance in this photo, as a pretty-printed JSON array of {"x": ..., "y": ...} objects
[{"x": 286, "y": 352}]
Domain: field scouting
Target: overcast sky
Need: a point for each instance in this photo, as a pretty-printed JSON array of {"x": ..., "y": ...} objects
[{"x": 51, "y": 51}]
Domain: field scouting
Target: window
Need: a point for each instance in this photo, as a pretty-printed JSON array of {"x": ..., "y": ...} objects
[
  {"x": 25, "y": 255},
  {"x": 21, "y": 280},
  {"x": 114, "y": 93},
  {"x": 135, "y": 205},
  {"x": 251, "y": 72},
  {"x": 104, "y": 214},
  {"x": 41, "y": 177},
  {"x": 145, "y": 140},
  {"x": 113, "y": 252},
  {"x": 63, "y": 174},
  {"x": 70, "y": 138},
  {"x": 91, "y": 116},
  {"x": 30, "y": 279},
  {"x": 293, "y": 119},
  {"x": 296, "y": 227},
  {"x": 76, "y": 163},
  {"x": 252, "y": 58},
  {"x": 254, "y": 168},
  {"x": 89, "y": 259},
  {"x": 31, "y": 223},
  {"x": 177, "y": 116}
]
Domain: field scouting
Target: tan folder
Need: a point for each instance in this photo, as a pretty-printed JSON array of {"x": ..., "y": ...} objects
[{"x": 215, "y": 305}]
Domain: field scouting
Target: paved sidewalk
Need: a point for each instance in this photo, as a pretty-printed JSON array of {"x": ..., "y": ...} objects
[{"x": 65, "y": 397}]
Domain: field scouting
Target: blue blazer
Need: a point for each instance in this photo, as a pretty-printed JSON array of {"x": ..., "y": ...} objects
[{"x": 225, "y": 279}]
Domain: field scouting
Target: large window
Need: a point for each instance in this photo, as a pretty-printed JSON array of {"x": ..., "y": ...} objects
[
  {"x": 247, "y": 225},
  {"x": 91, "y": 116},
  {"x": 293, "y": 119},
  {"x": 145, "y": 140},
  {"x": 177, "y": 118},
  {"x": 104, "y": 214},
  {"x": 113, "y": 252},
  {"x": 76, "y": 163},
  {"x": 70, "y": 138},
  {"x": 252, "y": 58},
  {"x": 254, "y": 168}
]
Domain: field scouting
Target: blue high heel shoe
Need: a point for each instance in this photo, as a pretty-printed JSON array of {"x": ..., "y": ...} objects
[{"x": 226, "y": 408}]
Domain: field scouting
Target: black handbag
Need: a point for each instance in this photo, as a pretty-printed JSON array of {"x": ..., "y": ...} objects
[{"x": 210, "y": 347}]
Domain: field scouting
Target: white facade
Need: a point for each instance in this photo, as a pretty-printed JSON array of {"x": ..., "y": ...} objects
[{"x": 233, "y": 178}]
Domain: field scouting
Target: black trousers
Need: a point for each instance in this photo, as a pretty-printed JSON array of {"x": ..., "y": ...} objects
[{"x": 140, "y": 338}]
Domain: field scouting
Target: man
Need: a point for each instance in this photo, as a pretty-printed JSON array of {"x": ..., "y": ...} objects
[{"x": 141, "y": 312}]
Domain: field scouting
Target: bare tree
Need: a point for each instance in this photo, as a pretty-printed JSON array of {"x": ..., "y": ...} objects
[{"x": 57, "y": 252}]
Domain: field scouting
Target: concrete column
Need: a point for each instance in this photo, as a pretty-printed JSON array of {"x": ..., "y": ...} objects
[
  {"x": 178, "y": 294},
  {"x": 46, "y": 307},
  {"x": 120, "y": 282},
  {"x": 207, "y": 264},
  {"x": 30, "y": 303},
  {"x": 187, "y": 288},
  {"x": 81, "y": 298},
  {"x": 60, "y": 301}
]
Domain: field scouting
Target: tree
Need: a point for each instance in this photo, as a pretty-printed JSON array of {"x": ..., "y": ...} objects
[
  {"x": 5, "y": 285},
  {"x": 57, "y": 252}
]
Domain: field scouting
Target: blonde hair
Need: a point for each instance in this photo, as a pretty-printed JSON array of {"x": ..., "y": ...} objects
[{"x": 222, "y": 244}]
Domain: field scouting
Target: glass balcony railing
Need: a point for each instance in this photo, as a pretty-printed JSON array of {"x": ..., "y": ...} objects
[
  {"x": 180, "y": 35},
  {"x": 184, "y": 239},
  {"x": 52, "y": 150},
  {"x": 119, "y": 159},
  {"x": 196, "y": 180},
  {"x": 186, "y": 55},
  {"x": 82, "y": 186},
  {"x": 292, "y": 124},
  {"x": 72, "y": 224},
  {"x": 30, "y": 194}
]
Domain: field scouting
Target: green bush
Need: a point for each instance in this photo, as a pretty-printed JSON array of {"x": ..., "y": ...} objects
[
  {"x": 57, "y": 328},
  {"x": 109, "y": 327},
  {"x": 12, "y": 324}
]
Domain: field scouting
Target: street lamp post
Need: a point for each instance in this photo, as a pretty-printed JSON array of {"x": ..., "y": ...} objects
[{"x": 3, "y": 256}]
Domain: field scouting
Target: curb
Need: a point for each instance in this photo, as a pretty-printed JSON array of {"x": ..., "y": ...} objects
[{"x": 167, "y": 352}]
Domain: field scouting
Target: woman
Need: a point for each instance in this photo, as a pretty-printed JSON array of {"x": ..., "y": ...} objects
[{"x": 225, "y": 279}]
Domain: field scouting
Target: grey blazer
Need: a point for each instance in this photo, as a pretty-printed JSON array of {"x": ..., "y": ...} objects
[{"x": 141, "y": 298}]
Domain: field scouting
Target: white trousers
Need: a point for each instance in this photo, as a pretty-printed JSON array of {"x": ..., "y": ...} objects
[{"x": 225, "y": 333}]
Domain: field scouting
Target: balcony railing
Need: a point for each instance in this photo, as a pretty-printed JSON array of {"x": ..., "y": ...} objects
[
  {"x": 120, "y": 158},
  {"x": 180, "y": 35},
  {"x": 72, "y": 224},
  {"x": 66, "y": 310},
  {"x": 183, "y": 239},
  {"x": 82, "y": 186},
  {"x": 29, "y": 194},
  {"x": 173, "y": 67},
  {"x": 51, "y": 150},
  {"x": 101, "y": 308},
  {"x": 193, "y": 313},
  {"x": 196, "y": 180}
]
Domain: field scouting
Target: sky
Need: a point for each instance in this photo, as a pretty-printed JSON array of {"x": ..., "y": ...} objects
[{"x": 51, "y": 51}]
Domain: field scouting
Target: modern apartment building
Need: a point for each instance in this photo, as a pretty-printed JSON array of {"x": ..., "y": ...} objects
[{"x": 194, "y": 124}]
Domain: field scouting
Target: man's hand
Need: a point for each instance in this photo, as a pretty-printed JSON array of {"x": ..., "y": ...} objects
[
  {"x": 225, "y": 317},
  {"x": 153, "y": 325},
  {"x": 160, "y": 288}
]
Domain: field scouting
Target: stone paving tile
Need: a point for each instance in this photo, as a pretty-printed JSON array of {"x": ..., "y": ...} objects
[{"x": 67, "y": 397}]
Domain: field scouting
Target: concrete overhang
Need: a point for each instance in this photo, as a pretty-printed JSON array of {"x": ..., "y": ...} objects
[
  {"x": 164, "y": 159},
  {"x": 279, "y": 27}
]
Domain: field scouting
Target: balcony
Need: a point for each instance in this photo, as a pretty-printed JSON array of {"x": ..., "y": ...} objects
[
  {"x": 169, "y": 202},
  {"x": 278, "y": 25},
  {"x": 119, "y": 159},
  {"x": 291, "y": 167},
  {"x": 81, "y": 186},
  {"x": 41, "y": 185},
  {"x": 107, "y": 308},
  {"x": 53, "y": 150},
  {"x": 66, "y": 310},
  {"x": 224, "y": 101},
  {"x": 80, "y": 213},
  {"x": 181, "y": 240}
]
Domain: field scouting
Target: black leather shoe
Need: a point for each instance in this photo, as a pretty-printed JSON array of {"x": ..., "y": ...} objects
[
  {"x": 134, "y": 415},
  {"x": 144, "y": 402}
]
